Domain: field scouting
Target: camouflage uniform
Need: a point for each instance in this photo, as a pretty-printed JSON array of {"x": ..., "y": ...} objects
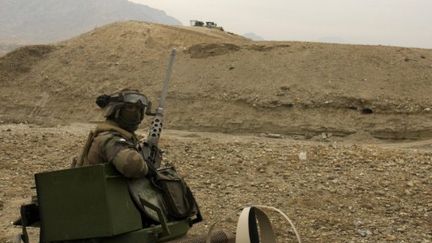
[{"x": 112, "y": 143}]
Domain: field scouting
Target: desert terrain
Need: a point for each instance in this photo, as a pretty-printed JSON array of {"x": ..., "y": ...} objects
[{"x": 337, "y": 136}]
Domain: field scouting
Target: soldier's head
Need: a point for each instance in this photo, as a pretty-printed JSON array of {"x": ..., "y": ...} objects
[{"x": 126, "y": 108}]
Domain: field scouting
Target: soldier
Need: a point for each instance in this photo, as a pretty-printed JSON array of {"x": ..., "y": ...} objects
[{"x": 114, "y": 141}]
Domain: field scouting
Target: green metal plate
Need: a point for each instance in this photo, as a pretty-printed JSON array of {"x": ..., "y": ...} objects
[
  {"x": 153, "y": 234},
  {"x": 85, "y": 203}
]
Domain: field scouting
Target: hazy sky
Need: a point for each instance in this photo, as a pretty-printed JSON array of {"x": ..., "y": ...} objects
[{"x": 387, "y": 22}]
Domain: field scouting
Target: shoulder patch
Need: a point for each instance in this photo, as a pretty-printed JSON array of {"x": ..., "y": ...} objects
[{"x": 123, "y": 141}]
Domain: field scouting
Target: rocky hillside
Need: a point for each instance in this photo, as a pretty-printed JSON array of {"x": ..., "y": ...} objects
[
  {"x": 225, "y": 82},
  {"x": 334, "y": 192}
]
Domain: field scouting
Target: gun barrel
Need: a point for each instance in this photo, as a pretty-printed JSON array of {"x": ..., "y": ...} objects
[
  {"x": 166, "y": 81},
  {"x": 156, "y": 126}
]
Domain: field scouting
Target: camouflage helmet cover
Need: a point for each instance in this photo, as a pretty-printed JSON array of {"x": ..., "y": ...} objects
[{"x": 112, "y": 103}]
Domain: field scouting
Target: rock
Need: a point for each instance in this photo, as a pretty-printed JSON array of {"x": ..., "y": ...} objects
[
  {"x": 408, "y": 192},
  {"x": 358, "y": 223},
  {"x": 364, "y": 232},
  {"x": 391, "y": 238},
  {"x": 273, "y": 135},
  {"x": 308, "y": 135},
  {"x": 400, "y": 229},
  {"x": 302, "y": 156}
]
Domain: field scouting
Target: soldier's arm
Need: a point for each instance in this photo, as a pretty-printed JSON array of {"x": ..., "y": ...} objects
[{"x": 124, "y": 156}]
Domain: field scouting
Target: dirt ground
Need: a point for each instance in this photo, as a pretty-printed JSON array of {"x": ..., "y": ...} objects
[{"x": 333, "y": 190}]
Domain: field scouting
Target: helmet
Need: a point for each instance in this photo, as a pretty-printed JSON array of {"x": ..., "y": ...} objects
[{"x": 126, "y": 107}]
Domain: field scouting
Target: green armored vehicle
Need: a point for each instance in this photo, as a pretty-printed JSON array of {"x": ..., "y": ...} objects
[{"x": 94, "y": 204}]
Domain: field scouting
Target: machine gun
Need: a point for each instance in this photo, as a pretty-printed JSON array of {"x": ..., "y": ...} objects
[{"x": 151, "y": 151}]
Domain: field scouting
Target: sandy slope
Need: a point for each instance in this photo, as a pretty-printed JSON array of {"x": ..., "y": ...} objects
[{"x": 224, "y": 82}]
